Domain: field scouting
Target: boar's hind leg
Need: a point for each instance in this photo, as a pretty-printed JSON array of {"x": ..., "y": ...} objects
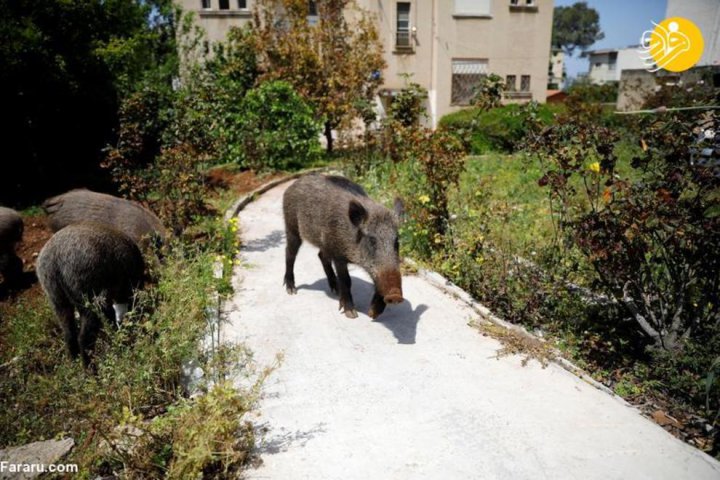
[
  {"x": 293, "y": 245},
  {"x": 346, "y": 301},
  {"x": 329, "y": 272},
  {"x": 66, "y": 314},
  {"x": 89, "y": 327}
]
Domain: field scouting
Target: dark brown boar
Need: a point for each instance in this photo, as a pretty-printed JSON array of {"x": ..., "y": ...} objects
[
  {"x": 11, "y": 231},
  {"x": 89, "y": 268},
  {"x": 85, "y": 206},
  {"x": 338, "y": 217}
]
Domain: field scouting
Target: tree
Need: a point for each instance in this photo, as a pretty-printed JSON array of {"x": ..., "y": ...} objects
[
  {"x": 334, "y": 63},
  {"x": 576, "y": 26},
  {"x": 65, "y": 68}
]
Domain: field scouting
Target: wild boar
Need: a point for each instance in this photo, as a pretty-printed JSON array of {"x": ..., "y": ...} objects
[
  {"x": 338, "y": 217},
  {"x": 11, "y": 231},
  {"x": 82, "y": 206},
  {"x": 89, "y": 268}
]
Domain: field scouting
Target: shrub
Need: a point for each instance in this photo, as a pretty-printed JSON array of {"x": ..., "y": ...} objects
[
  {"x": 501, "y": 129},
  {"x": 592, "y": 93},
  {"x": 274, "y": 129},
  {"x": 647, "y": 239},
  {"x": 407, "y": 107},
  {"x": 489, "y": 92}
]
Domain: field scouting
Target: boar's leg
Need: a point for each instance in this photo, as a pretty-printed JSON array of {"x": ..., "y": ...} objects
[
  {"x": 329, "y": 272},
  {"x": 65, "y": 313},
  {"x": 346, "y": 301},
  {"x": 89, "y": 327},
  {"x": 293, "y": 245},
  {"x": 377, "y": 306}
]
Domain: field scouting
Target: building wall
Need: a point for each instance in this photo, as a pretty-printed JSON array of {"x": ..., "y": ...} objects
[
  {"x": 600, "y": 69},
  {"x": 706, "y": 15},
  {"x": 628, "y": 59},
  {"x": 513, "y": 40},
  {"x": 215, "y": 22},
  {"x": 557, "y": 69}
]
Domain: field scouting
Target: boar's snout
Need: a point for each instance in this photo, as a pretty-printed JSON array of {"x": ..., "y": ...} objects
[{"x": 390, "y": 286}]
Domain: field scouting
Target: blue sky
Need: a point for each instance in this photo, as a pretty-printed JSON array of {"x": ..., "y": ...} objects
[{"x": 623, "y": 22}]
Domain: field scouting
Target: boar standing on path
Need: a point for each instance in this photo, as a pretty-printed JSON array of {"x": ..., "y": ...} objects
[
  {"x": 338, "y": 217},
  {"x": 82, "y": 206},
  {"x": 11, "y": 231},
  {"x": 89, "y": 268}
]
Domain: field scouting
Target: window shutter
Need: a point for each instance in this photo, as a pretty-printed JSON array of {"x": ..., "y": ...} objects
[{"x": 472, "y": 7}]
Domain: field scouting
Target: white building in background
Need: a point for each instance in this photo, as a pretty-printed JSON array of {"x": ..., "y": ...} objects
[
  {"x": 706, "y": 15},
  {"x": 606, "y": 65},
  {"x": 446, "y": 46},
  {"x": 556, "y": 70}
]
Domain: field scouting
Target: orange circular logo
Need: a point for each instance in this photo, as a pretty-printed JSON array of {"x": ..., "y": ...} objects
[{"x": 675, "y": 44}]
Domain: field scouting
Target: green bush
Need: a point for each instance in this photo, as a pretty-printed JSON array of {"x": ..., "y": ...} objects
[
  {"x": 501, "y": 129},
  {"x": 274, "y": 129}
]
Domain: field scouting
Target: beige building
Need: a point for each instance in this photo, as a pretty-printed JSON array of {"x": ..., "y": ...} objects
[{"x": 444, "y": 45}]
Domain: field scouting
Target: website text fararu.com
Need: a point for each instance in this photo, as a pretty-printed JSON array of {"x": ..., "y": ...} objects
[{"x": 8, "y": 467}]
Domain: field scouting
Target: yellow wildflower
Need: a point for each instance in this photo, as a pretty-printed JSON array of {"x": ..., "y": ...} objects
[
  {"x": 424, "y": 199},
  {"x": 594, "y": 167}
]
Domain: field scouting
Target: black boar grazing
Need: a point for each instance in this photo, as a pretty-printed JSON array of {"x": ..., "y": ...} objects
[
  {"x": 89, "y": 268},
  {"x": 83, "y": 206},
  {"x": 11, "y": 231},
  {"x": 338, "y": 217}
]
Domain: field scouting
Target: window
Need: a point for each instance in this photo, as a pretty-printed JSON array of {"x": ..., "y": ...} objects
[
  {"x": 312, "y": 8},
  {"x": 473, "y": 8},
  {"x": 242, "y": 4},
  {"x": 466, "y": 73},
  {"x": 206, "y": 4},
  {"x": 402, "y": 34},
  {"x": 525, "y": 83},
  {"x": 510, "y": 83},
  {"x": 224, "y": 4}
]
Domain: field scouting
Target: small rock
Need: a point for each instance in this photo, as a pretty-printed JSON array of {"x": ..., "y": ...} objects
[{"x": 37, "y": 454}]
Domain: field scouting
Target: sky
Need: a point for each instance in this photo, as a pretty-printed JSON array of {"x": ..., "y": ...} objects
[{"x": 622, "y": 21}]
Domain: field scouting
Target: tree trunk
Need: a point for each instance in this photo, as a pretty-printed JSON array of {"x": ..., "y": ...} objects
[{"x": 328, "y": 137}]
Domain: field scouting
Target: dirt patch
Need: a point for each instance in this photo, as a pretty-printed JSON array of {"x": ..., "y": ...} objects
[
  {"x": 35, "y": 235},
  {"x": 238, "y": 182}
]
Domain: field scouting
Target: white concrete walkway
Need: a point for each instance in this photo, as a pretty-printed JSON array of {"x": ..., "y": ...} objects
[{"x": 419, "y": 394}]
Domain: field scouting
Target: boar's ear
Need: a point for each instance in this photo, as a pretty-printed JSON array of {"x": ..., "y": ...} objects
[
  {"x": 357, "y": 213},
  {"x": 400, "y": 209}
]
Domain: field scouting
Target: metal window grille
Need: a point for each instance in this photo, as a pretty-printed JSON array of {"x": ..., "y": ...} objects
[
  {"x": 206, "y": 4},
  {"x": 242, "y": 4},
  {"x": 224, "y": 4},
  {"x": 525, "y": 83},
  {"x": 402, "y": 34},
  {"x": 466, "y": 74},
  {"x": 510, "y": 83},
  {"x": 312, "y": 8}
]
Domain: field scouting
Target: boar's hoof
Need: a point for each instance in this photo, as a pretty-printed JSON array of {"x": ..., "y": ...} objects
[
  {"x": 291, "y": 290},
  {"x": 348, "y": 309}
]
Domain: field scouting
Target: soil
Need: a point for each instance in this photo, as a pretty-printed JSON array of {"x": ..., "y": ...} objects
[
  {"x": 35, "y": 234},
  {"x": 238, "y": 182}
]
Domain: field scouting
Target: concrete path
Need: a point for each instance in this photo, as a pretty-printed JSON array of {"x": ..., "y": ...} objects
[{"x": 419, "y": 394}]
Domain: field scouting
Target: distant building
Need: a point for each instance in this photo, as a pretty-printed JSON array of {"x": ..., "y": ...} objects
[
  {"x": 556, "y": 70},
  {"x": 606, "y": 65},
  {"x": 636, "y": 84},
  {"x": 446, "y": 45}
]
